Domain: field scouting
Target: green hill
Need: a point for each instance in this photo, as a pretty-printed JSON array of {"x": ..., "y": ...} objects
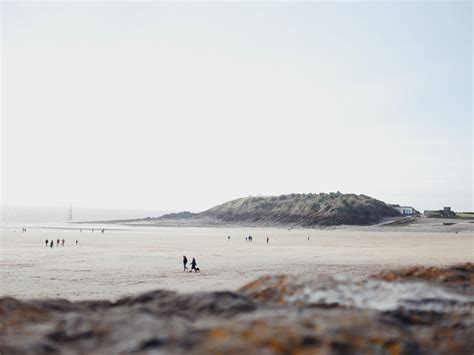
[{"x": 296, "y": 209}]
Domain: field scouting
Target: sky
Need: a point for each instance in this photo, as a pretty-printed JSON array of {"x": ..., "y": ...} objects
[{"x": 182, "y": 106}]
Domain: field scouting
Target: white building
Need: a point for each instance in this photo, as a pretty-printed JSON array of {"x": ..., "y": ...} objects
[{"x": 405, "y": 210}]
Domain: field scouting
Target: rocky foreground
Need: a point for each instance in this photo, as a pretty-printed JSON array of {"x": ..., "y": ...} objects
[{"x": 411, "y": 311}]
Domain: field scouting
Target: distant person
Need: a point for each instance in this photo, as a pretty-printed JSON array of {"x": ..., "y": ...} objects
[
  {"x": 51, "y": 244},
  {"x": 228, "y": 237},
  {"x": 102, "y": 231},
  {"x": 268, "y": 239},
  {"x": 193, "y": 266},
  {"x": 46, "y": 241},
  {"x": 246, "y": 238},
  {"x": 57, "y": 242},
  {"x": 185, "y": 262},
  {"x": 308, "y": 238},
  {"x": 62, "y": 242},
  {"x": 77, "y": 242}
]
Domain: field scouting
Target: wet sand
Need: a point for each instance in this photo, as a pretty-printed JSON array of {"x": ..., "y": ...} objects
[{"x": 119, "y": 263}]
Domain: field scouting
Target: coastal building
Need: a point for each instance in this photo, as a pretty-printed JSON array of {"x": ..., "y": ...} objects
[
  {"x": 446, "y": 212},
  {"x": 405, "y": 210}
]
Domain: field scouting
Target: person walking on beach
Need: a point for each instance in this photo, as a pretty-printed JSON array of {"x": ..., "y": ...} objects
[
  {"x": 46, "y": 241},
  {"x": 185, "y": 262},
  {"x": 77, "y": 242},
  {"x": 268, "y": 239},
  {"x": 62, "y": 242},
  {"x": 51, "y": 244},
  {"x": 193, "y": 266},
  {"x": 57, "y": 242}
]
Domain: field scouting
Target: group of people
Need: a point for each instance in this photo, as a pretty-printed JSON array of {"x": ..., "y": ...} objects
[
  {"x": 23, "y": 229},
  {"x": 58, "y": 241},
  {"x": 102, "y": 230},
  {"x": 193, "y": 264},
  {"x": 250, "y": 239}
]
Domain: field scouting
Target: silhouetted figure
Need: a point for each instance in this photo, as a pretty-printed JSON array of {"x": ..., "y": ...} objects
[
  {"x": 77, "y": 242},
  {"x": 51, "y": 244},
  {"x": 46, "y": 241},
  {"x": 102, "y": 231},
  {"x": 193, "y": 266},
  {"x": 185, "y": 262},
  {"x": 246, "y": 238},
  {"x": 62, "y": 242},
  {"x": 228, "y": 237},
  {"x": 57, "y": 242},
  {"x": 268, "y": 239}
]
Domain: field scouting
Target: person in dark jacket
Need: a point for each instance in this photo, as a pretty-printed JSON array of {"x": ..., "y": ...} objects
[
  {"x": 193, "y": 266},
  {"x": 185, "y": 262}
]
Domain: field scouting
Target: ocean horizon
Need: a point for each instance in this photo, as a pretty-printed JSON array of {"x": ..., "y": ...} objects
[{"x": 13, "y": 215}]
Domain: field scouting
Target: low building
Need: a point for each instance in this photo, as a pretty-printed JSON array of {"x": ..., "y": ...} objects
[
  {"x": 405, "y": 210},
  {"x": 446, "y": 212}
]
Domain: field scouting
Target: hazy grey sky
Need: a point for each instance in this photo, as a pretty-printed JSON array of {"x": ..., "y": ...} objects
[{"x": 183, "y": 106}]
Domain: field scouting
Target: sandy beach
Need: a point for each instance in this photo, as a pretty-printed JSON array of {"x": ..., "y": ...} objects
[{"x": 119, "y": 263}]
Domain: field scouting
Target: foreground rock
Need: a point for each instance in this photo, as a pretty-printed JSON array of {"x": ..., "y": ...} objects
[{"x": 415, "y": 311}]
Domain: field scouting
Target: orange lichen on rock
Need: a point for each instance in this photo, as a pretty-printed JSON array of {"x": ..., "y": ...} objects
[
  {"x": 268, "y": 288},
  {"x": 14, "y": 314},
  {"x": 460, "y": 275}
]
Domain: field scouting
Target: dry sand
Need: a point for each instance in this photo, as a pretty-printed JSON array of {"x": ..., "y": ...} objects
[{"x": 120, "y": 263}]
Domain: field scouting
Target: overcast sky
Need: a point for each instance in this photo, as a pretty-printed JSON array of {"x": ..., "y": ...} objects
[{"x": 183, "y": 106}]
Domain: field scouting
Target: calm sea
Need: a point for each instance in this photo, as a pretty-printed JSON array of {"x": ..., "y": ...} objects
[{"x": 27, "y": 216}]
